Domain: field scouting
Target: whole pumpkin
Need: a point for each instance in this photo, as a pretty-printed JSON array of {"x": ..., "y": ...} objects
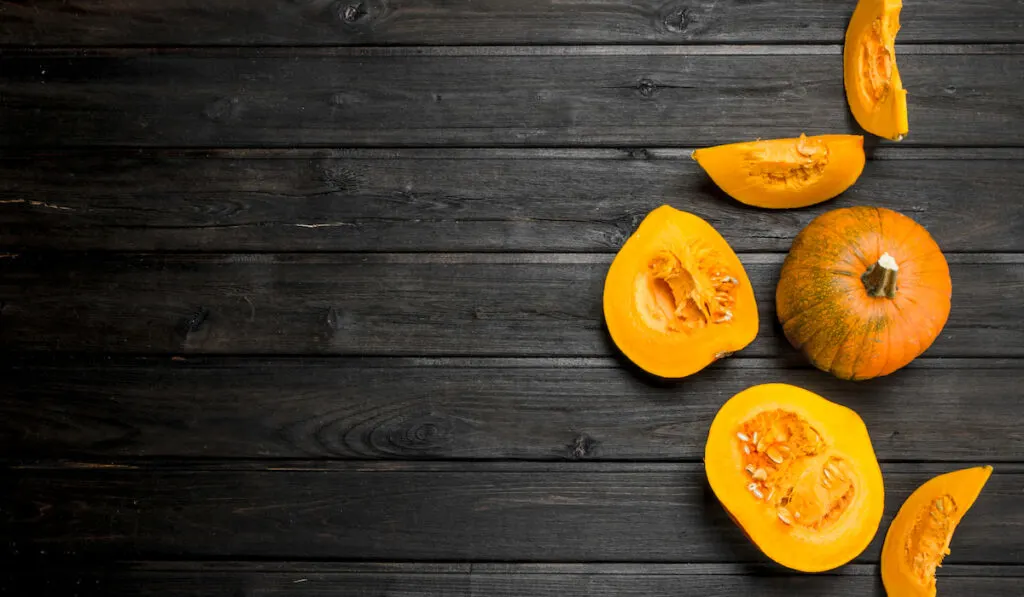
[{"x": 863, "y": 291}]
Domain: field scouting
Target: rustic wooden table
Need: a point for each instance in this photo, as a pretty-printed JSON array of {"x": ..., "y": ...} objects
[{"x": 304, "y": 297}]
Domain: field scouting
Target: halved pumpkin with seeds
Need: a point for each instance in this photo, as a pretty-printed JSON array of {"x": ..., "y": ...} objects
[
  {"x": 797, "y": 473},
  {"x": 676, "y": 297},
  {"x": 919, "y": 536}
]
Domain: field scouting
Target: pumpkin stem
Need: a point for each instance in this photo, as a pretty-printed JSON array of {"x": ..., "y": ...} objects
[{"x": 880, "y": 278}]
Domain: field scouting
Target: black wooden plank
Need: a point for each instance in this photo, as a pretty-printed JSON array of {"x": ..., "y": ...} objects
[
  {"x": 461, "y": 200},
  {"x": 542, "y": 409},
  {"x": 396, "y": 304},
  {"x": 284, "y": 579},
  {"x": 488, "y": 96},
  {"x": 662, "y": 515},
  {"x": 423, "y": 22}
]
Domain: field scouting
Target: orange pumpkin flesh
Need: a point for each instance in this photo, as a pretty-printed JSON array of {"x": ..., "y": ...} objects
[
  {"x": 873, "y": 86},
  {"x": 785, "y": 173},
  {"x": 798, "y": 474},
  {"x": 676, "y": 297},
  {"x": 863, "y": 292},
  {"x": 919, "y": 536}
]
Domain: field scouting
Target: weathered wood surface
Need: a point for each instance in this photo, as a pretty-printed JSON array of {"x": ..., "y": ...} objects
[
  {"x": 302, "y": 579},
  {"x": 487, "y": 96},
  {"x": 397, "y": 304},
  {"x": 459, "y": 200},
  {"x": 489, "y": 512},
  {"x": 426, "y": 22},
  {"x": 546, "y": 409}
]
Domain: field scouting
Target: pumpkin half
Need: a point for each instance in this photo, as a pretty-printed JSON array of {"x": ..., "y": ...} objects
[
  {"x": 919, "y": 536},
  {"x": 797, "y": 473},
  {"x": 784, "y": 173},
  {"x": 863, "y": 291},
  {"x": 873, "y": 86},
  {"x": 676, "y": 297}
]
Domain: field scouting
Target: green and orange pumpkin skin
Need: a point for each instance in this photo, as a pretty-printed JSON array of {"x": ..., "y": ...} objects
[{"x": 863, "y": 291}]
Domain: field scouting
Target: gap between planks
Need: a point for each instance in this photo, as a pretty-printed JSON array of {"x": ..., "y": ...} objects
[
  {"x": 432, "y": 258},
  {"x": 499, "y": 466},
  {"x": 527, "y": 568},
  {"x": 226, "y": 361},
  {"x": 883, "y": 152},
  {"x": 734, "y": 49}
]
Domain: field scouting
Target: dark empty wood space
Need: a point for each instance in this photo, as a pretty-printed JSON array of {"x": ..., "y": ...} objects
[{"x": 304, "y": 297}]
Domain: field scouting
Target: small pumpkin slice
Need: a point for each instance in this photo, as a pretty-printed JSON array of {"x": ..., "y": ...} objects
[
  {"x": 785, "y": 173},
  {"x": 919, "y": 536},
  {"x": 874, "y": 89},
  {"x": 797, "y": 473},
  {"x": 676, "y": 297}
]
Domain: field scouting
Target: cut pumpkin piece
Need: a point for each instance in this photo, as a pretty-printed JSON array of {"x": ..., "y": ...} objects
[
  {"x": 676, "y": 297},
  {"x": 797, "y": 473},
  {"x": 919, "y": 536},
  {"x": 873, "y": 86},
  {"x": 785, "y": 173}
]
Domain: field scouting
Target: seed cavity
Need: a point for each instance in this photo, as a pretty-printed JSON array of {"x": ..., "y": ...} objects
[
  {"x": 928, "y": 541},
  {"x": 791, "y": 470},
  {"x": 686, "y": 288},
  {"x": 876, "y": 59},
  {"x": 788, "y": 165}
]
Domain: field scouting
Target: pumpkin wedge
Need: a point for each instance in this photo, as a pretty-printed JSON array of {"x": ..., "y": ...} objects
[
  {"x": 785, "y": 173},
  {"x": 676, "y": 297},
  {"x": 797, "y": 473},
  {"x": 919, "y": 536},
  {"x": 873, "y": 86},
  {"x": 863, "y": 291}
]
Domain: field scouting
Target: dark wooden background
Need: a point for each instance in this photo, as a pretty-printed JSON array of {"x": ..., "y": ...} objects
[{"x": 304, "y": 297}]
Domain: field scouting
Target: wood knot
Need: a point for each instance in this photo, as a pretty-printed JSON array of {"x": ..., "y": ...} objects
[
  {"x": 677, "y": 20},
  {"x": 582, "y": 447},
  {"x": 225, "y": 109},
  {"x": 334, "y": 321},
  {"x": 638, "y": 154},
  {"x": 647, "y": 88},
  {"x": 427, "y": 434},
  {"x": 194, "y": 322},
  {"x": 354, "y": 12}
]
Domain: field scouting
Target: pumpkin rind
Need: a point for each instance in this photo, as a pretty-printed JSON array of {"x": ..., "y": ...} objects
[
  {"x": 874, "y": 89},
  {"x": 797, "y": 473},
  {"x": 676, "y": 297},
  {"x": 831, "y": 307},
  {"x": 919, "y": 536},
  {"x": 785, "y": 173}
]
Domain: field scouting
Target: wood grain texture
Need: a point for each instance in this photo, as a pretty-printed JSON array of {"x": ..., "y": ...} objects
[
  {"x": 396, "y": 304},
  {"x": 666, "y": 514},
  {"x": 516, "y": 97},
  {"x": 428, "y": 22},
  {"x": 457, "y": 200},
  {"x": 300, "y": 579},
  {"x": 538, "y": 409}
]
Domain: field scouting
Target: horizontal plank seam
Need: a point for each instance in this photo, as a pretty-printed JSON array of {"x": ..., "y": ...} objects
[
  {"x": 550, "y": 49},
  {"x": 94, "y": 359},
  {"x": 218, "y": 465},
  {"x": 438, "y": 257},
  {"x": 520, "y": 567},
  {"x": 902, "y": 152},
  {"x": 464, "y": 567}
]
